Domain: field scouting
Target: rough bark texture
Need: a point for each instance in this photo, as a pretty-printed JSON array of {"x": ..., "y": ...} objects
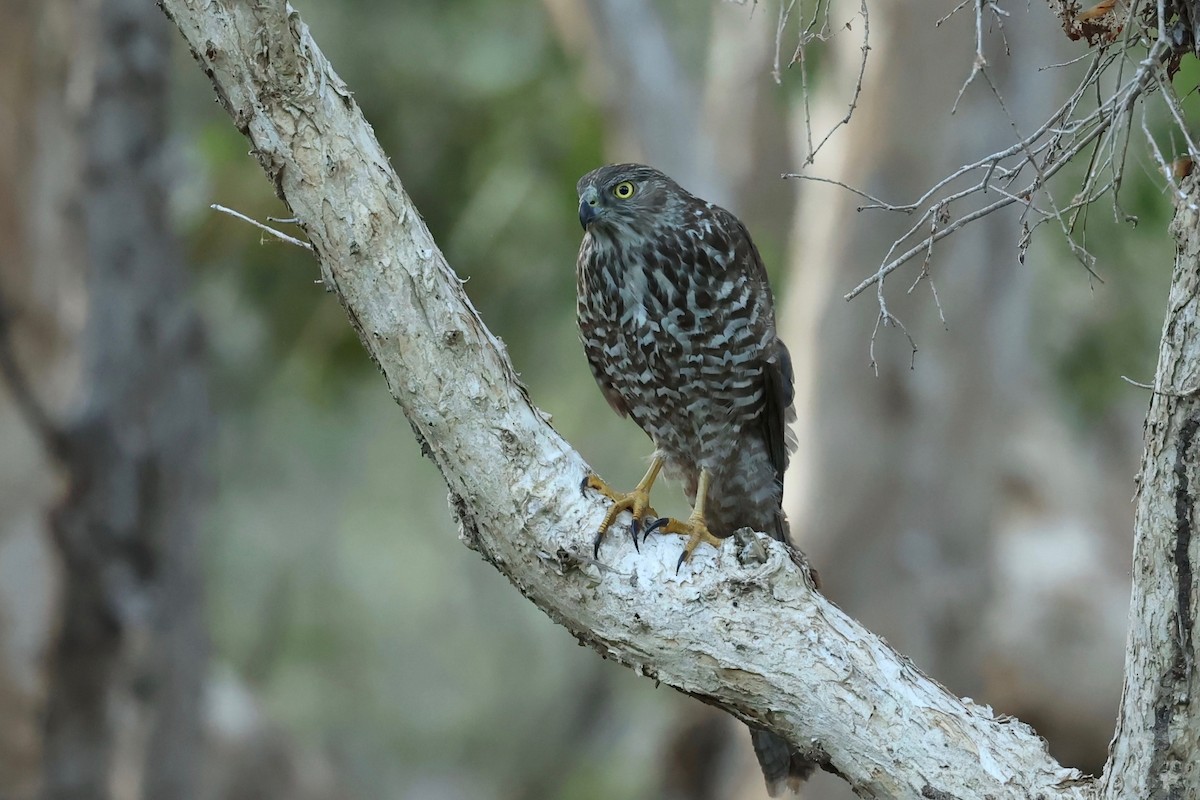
[
  {"x": 740, "y": 628},
  {"x": 125, "y": 675},
  {"x": 1155, "y": 752}
]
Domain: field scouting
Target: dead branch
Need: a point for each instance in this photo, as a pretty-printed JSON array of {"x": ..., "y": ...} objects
[{"x": 1023, "y": 173}]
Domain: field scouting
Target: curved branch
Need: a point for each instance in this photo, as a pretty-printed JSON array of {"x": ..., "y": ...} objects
[{"x": 741, "y": 628}]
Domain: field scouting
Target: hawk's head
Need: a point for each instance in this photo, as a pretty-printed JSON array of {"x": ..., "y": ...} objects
[{"x": 622, "y": 200}]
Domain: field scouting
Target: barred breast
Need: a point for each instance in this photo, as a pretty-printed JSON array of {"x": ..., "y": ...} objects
[{"x": 679, "y": 331}]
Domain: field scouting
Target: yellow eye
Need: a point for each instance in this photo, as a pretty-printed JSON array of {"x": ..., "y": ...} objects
[{"x": 623, "y": 190}]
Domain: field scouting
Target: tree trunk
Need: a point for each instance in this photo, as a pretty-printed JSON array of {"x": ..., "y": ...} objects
[
  {"x": 98, "y": 284},
  {"x": 40, "y": 294},
  {"x": 1156, "y": 752}
]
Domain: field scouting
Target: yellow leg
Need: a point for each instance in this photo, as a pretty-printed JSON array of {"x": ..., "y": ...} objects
[
  {"x": 637, "y": 502},
  {"x": 696, "y": 529}
]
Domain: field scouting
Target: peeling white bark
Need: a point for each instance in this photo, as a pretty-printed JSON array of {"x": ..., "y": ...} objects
[
  {"x": 1156, "y": 752},
  {"x": 745, "y": 633}
]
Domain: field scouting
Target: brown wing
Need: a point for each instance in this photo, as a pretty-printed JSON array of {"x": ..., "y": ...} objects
[
  {"x": 777, "y": 380},
  {"x": 778, "y": 412},
  {"x": 776, "y": 365}
]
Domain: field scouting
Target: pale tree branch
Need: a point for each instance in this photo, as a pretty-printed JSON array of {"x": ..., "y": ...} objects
[{"x": 742, "y": 632}]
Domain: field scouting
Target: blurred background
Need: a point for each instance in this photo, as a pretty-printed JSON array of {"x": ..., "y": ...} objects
[{"x": 227, "y": 572}]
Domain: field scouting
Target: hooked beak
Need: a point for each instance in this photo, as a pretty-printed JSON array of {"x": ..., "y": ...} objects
[{"x": 589, "y": 206}]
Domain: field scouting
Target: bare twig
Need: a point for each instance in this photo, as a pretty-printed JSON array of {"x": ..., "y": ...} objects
[
  {"x": 260, "y": 226},
  {"x": 821, "y": 28},
  {"x": 1164, "y": 392},
  {"x": 784, "y": 13},
  {"x": 1090, "y": 120},
  {"x": 1045, "y": 152},
  {"x": 926, "y": 276},
  {"x": 862, "y": 71},
  {"x": 980, "y": 64},
  {"x": 887, "y": 319}
]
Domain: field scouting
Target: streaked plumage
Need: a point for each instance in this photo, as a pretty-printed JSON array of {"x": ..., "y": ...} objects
[{"x": 678, "y": 324}]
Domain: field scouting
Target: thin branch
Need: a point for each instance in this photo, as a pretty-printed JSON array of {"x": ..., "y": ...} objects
[
  {"x": 990, "y": 164},
  {"x": 979, "y": 66},
  {"x": 1116, "y": 109},
  {"x": 820, "y": 28},
  {"x": 1164, "y": 392},
  {"x": 277, "y": 234},
  {"x": 1023, "y": 172},
  {"x": 865, "y": 13},
  {"x": 780, "y": 26}
]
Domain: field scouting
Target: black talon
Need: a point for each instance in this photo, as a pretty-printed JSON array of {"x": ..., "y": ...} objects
[
  {"x": 633, "y": 528},
  {"x": 583, "y": 485},
  {"x": 653, "y": 526},
  {"x": 596, "y": 545},
  {"x": 682, "y": 558}
]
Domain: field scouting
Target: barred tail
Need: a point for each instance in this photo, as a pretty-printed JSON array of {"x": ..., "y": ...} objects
[{"x": 783, "y": 767}]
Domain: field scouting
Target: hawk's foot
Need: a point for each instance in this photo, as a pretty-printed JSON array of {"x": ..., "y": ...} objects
[
  {"x": 636, "y": 502},
  {"x": 696, "y": 531}
]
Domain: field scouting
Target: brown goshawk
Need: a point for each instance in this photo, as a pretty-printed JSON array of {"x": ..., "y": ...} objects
[{"x": 678, "y": 324}]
